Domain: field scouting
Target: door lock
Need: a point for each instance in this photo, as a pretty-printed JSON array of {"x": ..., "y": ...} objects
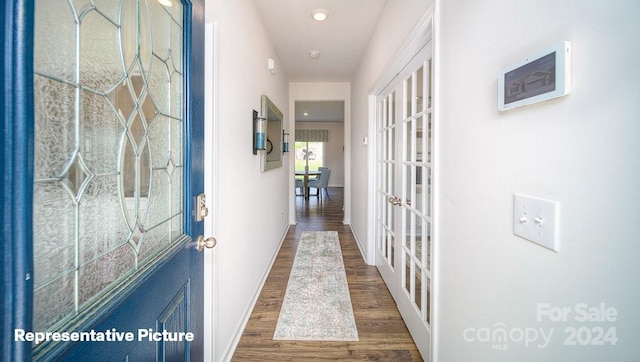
[{"x": 201, "y": 207}]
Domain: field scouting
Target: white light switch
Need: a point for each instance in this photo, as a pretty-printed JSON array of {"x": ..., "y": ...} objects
[{"x": 535, "y": 219}]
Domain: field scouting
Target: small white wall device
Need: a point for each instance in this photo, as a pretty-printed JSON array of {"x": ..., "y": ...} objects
[{"x": 540, "y": 77}]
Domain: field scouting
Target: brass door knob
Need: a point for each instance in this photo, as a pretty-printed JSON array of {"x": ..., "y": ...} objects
[{"x": 208, "y": 243}]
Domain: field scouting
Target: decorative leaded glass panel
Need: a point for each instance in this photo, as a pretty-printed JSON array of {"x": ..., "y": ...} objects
[{"x": 109, "y": 109}]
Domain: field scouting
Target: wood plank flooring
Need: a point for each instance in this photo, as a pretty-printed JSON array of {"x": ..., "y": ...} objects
[{"x": 383, "y": 335}]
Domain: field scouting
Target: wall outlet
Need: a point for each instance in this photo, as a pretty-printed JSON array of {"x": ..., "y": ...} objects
[{"x": 536, "y": 220}]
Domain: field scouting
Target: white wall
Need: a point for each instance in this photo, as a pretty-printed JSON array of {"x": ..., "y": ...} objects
[
  {"x": 333, "y": 149},
  {"x": 252, "y": 207},
  {"x": 582, "y": 150}
]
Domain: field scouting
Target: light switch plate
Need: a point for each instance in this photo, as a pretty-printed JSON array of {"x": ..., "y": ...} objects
[{"x": 536, "y": 220}]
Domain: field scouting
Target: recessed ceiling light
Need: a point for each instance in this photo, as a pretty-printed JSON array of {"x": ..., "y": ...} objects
[
  {"x": 319, "y": 14},
  {"x": 165, "y": 2},
  {"x": 306, "y": 114},
  {"x": 314, "y": 54}
]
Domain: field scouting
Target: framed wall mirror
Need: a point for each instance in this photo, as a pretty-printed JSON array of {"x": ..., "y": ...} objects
[{"x": 272, "y": 157}]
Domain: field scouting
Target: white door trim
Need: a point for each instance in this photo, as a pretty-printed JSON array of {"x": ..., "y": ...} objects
[{"x": 210, "y": 186}]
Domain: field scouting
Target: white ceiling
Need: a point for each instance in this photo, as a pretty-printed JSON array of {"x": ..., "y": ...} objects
[
  {"x": 320, "y": 111},
  {"x": 341, "y": 39}
]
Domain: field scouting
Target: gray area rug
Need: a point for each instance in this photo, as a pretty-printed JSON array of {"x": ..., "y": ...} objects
[{"x": 317, "y": 304}]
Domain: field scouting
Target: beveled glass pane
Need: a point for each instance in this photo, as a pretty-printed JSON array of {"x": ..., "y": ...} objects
[
  {"x": 159, "y": 206},
  {"x": 81, "y": 6},
  {"x": 160, "y": 137},
  {"x": 107, "y": 8},
  {"x": 102, "y": 226},
  {"x": 53, "y": 302},
  {"x": 128, "y": 173},
  {"x": 145, "y": 24},
  {"x": 176, "y": 92},
  {"x": 54, "y": 226},
  {"x": 108, "y": 192},
  {"x": 177, "y": 143},
  {"x": 159, "y": 85},
  {"x": 155, "y": 239},
  {"x": 100, "y": 273},
  {"x": 100, "y": 63},
  {"x": 144, "y": 172},
  {"x": 162, "y": 31},
  {"x": 177, "y": 185},
  {"x": 148, "y": 109},
  {"x": 54, "y": 127},
  {"x": 100, "y": 134},
  {"x": 177, "y": 42},
  {"x": 123, "y": 101},
  {"x": 129, "y": 26},
  {"x": 54, "y": 48}
]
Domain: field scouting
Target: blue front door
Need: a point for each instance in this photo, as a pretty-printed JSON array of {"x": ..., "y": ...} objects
[{"x": 103, "y": 124}]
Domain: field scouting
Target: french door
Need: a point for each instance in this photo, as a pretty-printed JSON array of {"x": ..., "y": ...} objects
[
  {"x": 404, "y": 195},
  {"x": 106, "y": 163}
]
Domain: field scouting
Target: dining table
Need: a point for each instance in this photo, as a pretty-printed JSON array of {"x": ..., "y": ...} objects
[{"x": 306, "y": 175}]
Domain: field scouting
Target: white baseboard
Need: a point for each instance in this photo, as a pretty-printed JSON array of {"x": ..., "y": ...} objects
[{"x": 362, "y": 254}]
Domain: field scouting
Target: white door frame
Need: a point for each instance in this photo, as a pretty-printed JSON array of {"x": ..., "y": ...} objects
[
  {"x": 210, "y": 186},
  {"x": 422, "y": 35},
  {"x": 310, "y": 92}
]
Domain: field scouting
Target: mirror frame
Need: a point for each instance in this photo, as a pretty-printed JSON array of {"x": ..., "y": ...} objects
[{"x": 275, "y": 123}]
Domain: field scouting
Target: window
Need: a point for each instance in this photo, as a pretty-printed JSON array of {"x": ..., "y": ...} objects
[{"x": 309, "y": 155}]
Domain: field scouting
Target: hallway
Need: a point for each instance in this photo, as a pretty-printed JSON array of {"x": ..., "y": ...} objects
[{"x": 383, "y": 335}]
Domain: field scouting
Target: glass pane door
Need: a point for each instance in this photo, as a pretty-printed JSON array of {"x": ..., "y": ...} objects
[
  {"x": 404, "y": 219},
  {"x": 387, "y": 213},
  {"x": 416, "y": 192},
  {"x": 109, "y": 159}
]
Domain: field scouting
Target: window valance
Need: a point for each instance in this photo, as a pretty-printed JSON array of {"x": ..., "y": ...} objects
[{"x": 312, "y": 135}]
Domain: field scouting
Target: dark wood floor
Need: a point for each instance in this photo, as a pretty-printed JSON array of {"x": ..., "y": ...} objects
[{"x": 383, "y": 335}]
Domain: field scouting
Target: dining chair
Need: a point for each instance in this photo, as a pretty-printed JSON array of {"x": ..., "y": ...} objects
[
  {"x": 321, "y": 183},
  {"x": 299, "y": 186},
  {"x": 317, "y": 177}
]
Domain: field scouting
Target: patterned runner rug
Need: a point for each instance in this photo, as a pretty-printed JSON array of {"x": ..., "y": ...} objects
[{"x": 317, "y": 304}]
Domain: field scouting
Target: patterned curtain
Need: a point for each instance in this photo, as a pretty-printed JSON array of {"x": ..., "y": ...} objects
[{"x": 312, "y": 135}]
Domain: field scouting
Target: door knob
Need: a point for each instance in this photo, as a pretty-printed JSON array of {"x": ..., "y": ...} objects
[{"x": 208, "y": 243}]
